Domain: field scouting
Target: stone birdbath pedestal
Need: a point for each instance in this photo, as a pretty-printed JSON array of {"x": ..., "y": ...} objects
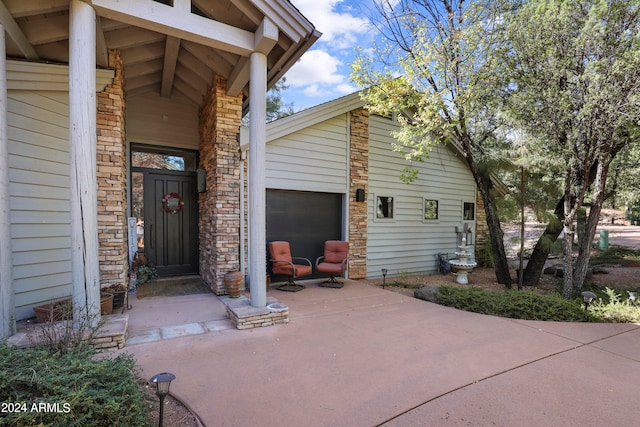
[{"x": 462, "y": 265}]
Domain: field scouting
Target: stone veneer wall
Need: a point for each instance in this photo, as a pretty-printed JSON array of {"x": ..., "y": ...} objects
[
  {"x": 112, "y": 178},
  {"x": 219, "y": 206},
  {"x": 359, "y": 178}
]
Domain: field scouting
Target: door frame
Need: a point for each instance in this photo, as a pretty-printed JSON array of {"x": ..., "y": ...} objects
[{"x": 136, "y": 147}]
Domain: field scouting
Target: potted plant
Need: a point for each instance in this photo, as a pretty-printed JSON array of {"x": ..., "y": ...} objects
[
  {"x": 119, "y": 292},
  {"x": 144, "y": 270}
]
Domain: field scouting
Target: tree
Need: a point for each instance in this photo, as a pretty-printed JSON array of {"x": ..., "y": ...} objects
[
  {"x": 446, "y": 88},
  {"x": 276, "y": 109},
  {"x": 575, "y": 70}
]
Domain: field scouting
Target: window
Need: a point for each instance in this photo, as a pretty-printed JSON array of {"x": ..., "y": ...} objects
[
  {"x": 469, "y": 211},
  {"x": 384, "y": 207},
  {"x": 430, "y": 212}
]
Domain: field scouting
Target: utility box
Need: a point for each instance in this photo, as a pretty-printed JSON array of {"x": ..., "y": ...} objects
[{"x": 604, "y": 240}]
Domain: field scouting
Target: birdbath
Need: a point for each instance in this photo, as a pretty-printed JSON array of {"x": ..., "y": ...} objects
[{"x": 462, "y": 265}]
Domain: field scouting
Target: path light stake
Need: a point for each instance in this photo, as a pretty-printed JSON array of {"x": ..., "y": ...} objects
[
  {"x": 384, "y": 277},
  {"x": 587, "y": 297},
  {"x": 162, "y": 382}
]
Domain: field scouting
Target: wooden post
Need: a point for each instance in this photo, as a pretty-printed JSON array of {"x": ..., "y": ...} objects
[
  {"x": 82, "y": 150},
  {"x": 7, "y": 305},
  {"x": 257, "y": 196}
]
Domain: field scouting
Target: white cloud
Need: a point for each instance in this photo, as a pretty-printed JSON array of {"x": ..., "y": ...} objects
[
  {"x": 315, "y": 67},
  {"x": 333, "y": 20}
]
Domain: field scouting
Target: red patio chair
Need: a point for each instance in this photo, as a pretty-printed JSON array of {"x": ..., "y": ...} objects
[
  {"x": 334, "y": 262},
  {"x": 283, "y": 263}
]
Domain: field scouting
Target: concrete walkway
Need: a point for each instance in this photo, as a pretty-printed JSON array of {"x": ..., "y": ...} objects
[{"x": 363, "y": 356}]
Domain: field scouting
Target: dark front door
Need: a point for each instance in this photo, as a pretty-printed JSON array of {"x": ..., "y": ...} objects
[{"x": 171, "y": 226}]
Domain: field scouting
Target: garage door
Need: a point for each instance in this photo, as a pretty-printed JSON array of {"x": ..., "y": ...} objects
[{"x": 304, "y": 219}]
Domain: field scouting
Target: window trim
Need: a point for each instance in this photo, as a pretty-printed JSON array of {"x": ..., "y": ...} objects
[
  {"x": 475, "y": 214},
  {"x": 393, "y": 208},
  {"x": 438, "y": 212}
]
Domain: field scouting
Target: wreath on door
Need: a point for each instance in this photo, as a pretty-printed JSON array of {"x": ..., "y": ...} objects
[{"x": 172, "y": 203}]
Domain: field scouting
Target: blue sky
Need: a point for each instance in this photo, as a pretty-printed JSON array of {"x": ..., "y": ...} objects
[{"x": 322, "y": 74}]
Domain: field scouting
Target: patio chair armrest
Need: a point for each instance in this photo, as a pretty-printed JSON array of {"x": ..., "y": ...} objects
[{"x": 319, "y": 260}]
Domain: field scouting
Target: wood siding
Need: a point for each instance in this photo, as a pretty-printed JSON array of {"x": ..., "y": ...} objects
[
  {"x": 407, "y": 243},
  {"x": 39, "y": 197},
  {"x": 312, "y": 159},
  {"x": 171, "y": 122}
]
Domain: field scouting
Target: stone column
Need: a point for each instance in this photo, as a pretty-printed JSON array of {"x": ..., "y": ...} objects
[
  {"x": 82, "y": 151},
  {"x": 359, "y": 177},
  {"x": 112, "y": 179},
  {"x": 219, "y": 206}
]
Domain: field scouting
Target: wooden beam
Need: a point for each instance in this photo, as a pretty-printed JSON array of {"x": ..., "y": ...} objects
[
  {"x": 177, "y": 23},
  {"x": 16, "y": 34},
  {"x": 126, "y": 38},
  {"x": 239, "y": 77},
  {"x": 172, "y": 47},
  {"x": 210, "y": 58},
  {"x": 266, "y": 38},
  {"x": 46, "y": 29},
  {"x": 22, "y": 8},
  {"x": 102, "y": 53}
]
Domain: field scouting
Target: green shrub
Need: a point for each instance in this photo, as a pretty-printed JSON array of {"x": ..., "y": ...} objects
[
  {"x": 614, "y": 307},
  {"x": 615, "y": 255},
  {"x": 484, "y": 256},
  {"x": 514, "y": 304},
  {"x": 79, "y": 389}
]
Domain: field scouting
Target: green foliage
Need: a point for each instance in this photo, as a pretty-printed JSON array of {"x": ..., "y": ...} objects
[
  {"x": 484, "y": 256},
  {"x": 615, "y": 255},
  {"x": 81, "y": 390},
  {"x": 145, "y": 273},
  {"x": 615, "y": 307},
  {"x": 514, "y": 304}
]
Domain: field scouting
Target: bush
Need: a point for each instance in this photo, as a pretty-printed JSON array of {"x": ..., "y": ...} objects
[
  {"x": 614, "y": 307},
  {"x": 69, "y": 389},
  {"x": 514, "y": 304}
]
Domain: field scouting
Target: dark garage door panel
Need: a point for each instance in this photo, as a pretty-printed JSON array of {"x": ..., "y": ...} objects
[{"x": 304, "y": 219}]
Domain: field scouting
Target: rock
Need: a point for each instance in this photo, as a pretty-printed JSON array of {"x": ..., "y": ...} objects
[
  {"x": 599, "y": 270},
  {"x": 427, "y": 293},
  {"x": 550, "y": 270}
]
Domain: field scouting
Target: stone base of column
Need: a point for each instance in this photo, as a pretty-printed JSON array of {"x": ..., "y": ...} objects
[{"x": 244, "y": 316}]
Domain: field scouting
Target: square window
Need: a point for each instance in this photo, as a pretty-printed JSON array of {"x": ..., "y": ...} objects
[
  {"x": 384, "y": 207},
  {"x": 430, "y": 209},
  {"x": 469, "y": 211}
]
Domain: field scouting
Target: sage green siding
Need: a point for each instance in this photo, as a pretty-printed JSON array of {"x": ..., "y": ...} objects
[
  {"x": 407, "y": 243},
  {"x": 39, "y": 197}
]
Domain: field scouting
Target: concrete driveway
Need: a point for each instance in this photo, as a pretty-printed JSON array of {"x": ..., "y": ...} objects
[{"x": 363, "y": 356}]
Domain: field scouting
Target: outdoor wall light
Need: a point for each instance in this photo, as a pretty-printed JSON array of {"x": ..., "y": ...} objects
[
  {"x": 633, "y": 297},
  {"x": 587, "y": 297},
  {"x": 162, "y": 382},
  {"x": 384, "y": 277}
]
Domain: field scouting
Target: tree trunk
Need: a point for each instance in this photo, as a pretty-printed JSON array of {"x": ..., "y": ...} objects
[
  {"x": 496, "y": 236},
  {"x": 582, "y": 263},
  {"x": 533, "y": 270}
]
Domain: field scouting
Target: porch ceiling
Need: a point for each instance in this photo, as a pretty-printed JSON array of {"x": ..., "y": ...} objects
[{"x": 168, "y": 46}]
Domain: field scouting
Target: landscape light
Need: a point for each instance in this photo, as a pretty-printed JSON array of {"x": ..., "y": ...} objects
[
  {"x": 587, "y": 297},
  {"x": 162, "y": 382}
]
